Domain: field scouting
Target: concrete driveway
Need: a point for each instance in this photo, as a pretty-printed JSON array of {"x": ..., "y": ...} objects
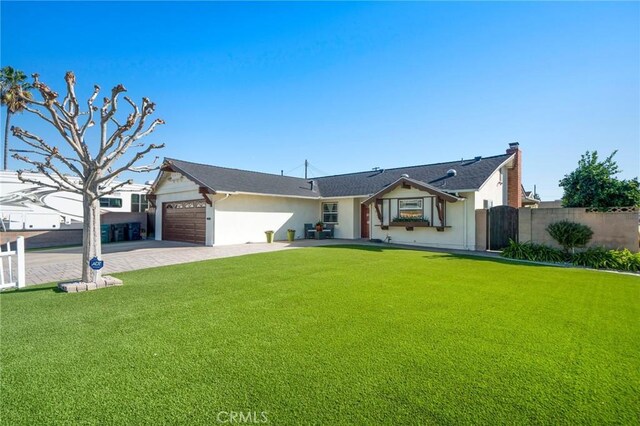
[{"x": 65, "y": 264}]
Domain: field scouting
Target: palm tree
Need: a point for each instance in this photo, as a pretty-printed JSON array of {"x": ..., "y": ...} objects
[{"x": 13, "y": 88}]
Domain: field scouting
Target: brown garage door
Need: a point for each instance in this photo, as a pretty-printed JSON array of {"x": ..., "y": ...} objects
[{"x": 184, "y": 221}]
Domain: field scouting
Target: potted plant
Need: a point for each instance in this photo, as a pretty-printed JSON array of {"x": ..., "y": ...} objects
[
  {"x": 319, "y": 226},
  {"x": 410, "y": 221},
  {"x": 269, "y": 235},
  {"x": 291, "y": 234}
]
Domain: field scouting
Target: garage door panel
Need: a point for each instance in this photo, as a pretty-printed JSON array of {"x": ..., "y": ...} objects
[{"x": 184, "y": 221}]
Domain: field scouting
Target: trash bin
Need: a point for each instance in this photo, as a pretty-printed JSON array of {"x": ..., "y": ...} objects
[
  {"x": 105, "y": 234},
  {"x": 133, "y": 231},
  {"x": 119, "y": 232},
  {"x": 269, "y": 235},
  {"x": 291, "y": 234}
]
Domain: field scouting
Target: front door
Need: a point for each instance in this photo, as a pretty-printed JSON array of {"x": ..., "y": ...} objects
[{"x": 364, "y": 221}]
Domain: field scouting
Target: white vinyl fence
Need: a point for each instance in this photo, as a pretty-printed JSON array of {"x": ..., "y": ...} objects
[{"x": 12, "y": 274}]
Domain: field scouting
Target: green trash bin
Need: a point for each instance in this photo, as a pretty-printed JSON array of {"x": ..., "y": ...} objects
[
  {"x": 105, "y": 234},
  {"x": 269, "y": 235},
  {"x": 133, "y": 231},
  {"x": 119, "y": 232}
]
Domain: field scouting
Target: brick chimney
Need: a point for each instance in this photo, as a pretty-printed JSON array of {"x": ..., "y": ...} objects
[{"x": 514, "y": 177}]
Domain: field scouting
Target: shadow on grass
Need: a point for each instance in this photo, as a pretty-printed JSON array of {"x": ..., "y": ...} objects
[
  {"x": 501, "y": 260},
  {"x": 46, "y": 287},
  {"x": 440, "y": 254},
  {"x": 363, "y": 247}
]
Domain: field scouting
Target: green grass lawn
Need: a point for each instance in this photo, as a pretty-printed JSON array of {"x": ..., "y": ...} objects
[{"x": 328, "y": 335}]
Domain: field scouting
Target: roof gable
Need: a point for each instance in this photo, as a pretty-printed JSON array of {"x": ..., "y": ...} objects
[{"x": 404, "y": 181}]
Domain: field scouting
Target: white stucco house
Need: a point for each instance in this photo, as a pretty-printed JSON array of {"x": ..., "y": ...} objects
[{"x": 431, "y": 205}]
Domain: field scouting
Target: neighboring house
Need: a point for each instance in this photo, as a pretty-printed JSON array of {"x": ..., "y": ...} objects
[
  {"x": 28, "y": 206},
  {"x": 529, "y": 199},
  {"x": 214, "y": 205}
]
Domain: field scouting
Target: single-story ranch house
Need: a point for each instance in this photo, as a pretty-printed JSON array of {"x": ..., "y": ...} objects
[{"x": 432, "y": 205}]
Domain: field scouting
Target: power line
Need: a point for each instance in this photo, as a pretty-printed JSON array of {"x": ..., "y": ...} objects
[
  {"x": 295, "y": 168},
  {"x": 319, "y": 172},
  {"x": 308, "y": 167}
]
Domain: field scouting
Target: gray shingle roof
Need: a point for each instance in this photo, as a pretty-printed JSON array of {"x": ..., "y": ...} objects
[
  {"x": 470, "y": 175},
  {"x": 222, "y": 179}
]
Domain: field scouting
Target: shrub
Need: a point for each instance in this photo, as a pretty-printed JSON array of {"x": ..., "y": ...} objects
[
  {"x": 625, "y": 260},
  {"x": 601, "y": 258},
  {"x": 594, "y": 257},
  {"x": 532, "y": 251},
  {"x": 570, "y": 234}
]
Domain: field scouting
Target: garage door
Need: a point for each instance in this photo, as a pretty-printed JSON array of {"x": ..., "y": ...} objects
[{"x": 184, "y": 221}]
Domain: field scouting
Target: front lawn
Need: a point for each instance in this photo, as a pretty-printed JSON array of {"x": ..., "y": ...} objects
[{"x": 328, "y": 335}]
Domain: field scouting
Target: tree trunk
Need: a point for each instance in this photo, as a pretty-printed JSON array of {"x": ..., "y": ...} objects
[
  {"x": 6, "y": 140},
  {"x": 91, "y": 237}
]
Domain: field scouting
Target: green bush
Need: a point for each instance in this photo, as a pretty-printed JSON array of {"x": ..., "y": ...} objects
[
  {"x": 602, "y": 258},
  {"x": 594, "y": 257},
  {"x": 532, "y": 251},
  {"x": 570, "y": 234},
  {"x": 626, "y": 260}
]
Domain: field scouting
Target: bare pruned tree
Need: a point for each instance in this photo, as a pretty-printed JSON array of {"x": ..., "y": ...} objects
[{"x": 96, "y": 165}]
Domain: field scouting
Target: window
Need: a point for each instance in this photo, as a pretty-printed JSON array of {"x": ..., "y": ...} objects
[
  {"x": 139, "y": 203},
  {"x": 111, "y": 202},
  {"x": 410, "y": 208},
  {"x": 330, "y": 212}
]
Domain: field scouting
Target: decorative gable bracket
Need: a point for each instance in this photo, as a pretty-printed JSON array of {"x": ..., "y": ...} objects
[
  {"x": 204, "y": 191},
  {"x": 441, "y": 199},
  {"x": 408, "y": 183}
]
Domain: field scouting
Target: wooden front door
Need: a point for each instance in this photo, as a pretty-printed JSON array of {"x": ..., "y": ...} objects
[
  {"x": 364, "y": 221},
  {"x": 184, "y": 221}
]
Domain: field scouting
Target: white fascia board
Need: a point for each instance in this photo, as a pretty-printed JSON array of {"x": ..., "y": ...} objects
[
  {"x": 267, "y": 195},
  {"x": 345, "y": 197},
  {"x": 494, "y": 170},
  {"x": 290, "y": 196},
  {"x": 156, "y": 181},
  {"x": 457, "y": 191}
]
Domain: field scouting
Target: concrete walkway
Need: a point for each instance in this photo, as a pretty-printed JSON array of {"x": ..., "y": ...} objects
[{"x": 64, "y": 264}]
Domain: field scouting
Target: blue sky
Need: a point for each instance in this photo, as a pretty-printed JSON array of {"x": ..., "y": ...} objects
[{"x": 351, "y": 86}]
